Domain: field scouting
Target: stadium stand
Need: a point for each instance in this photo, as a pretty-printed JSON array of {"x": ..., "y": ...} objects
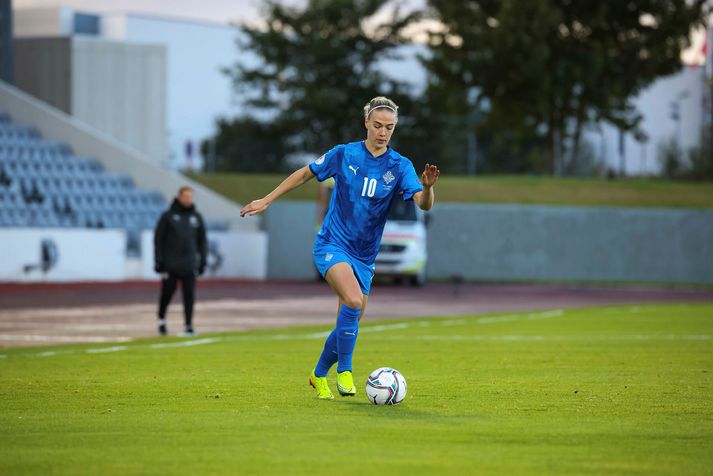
[{"x": 43, "y": 184}]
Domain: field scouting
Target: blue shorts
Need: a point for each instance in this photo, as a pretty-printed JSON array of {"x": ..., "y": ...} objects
[{"x": 327, "y": 255}]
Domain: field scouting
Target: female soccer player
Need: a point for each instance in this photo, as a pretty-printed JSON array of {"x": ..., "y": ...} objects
[{"x": 368, "y": 176}]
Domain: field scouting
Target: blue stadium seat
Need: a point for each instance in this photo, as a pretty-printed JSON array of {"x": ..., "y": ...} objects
[
  {"x": 52, "y": 220},
  {"x": 22, "y": 217},
  {"x": 43, "y": 176},
  {"x": 5, "y": 219},
  {"x": 126, "y": 183}
]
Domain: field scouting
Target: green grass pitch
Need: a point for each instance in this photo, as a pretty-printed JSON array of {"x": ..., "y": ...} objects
[{"x": 614, "y": 390}]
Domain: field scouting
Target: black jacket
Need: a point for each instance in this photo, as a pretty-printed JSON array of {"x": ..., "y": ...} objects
[{"x": 180, "y": 244}]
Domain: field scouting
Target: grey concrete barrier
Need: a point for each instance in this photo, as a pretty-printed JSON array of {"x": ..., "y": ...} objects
[{"x": 524, "y": 242}]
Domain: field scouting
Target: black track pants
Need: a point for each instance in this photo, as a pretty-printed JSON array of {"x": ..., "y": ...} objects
[{"x": 188, "y": 288}]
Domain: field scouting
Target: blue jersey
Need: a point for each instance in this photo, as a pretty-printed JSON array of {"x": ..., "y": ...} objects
[{"x": 364, "y": 187}]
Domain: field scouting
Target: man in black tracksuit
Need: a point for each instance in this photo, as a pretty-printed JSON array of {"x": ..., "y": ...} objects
[{"x": 180, "y": 250}]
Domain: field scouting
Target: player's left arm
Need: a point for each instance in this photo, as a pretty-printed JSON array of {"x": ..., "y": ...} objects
[{"x": 425, "y": 198}]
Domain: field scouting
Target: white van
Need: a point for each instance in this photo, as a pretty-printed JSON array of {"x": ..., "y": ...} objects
[{"x": 402, "y": 253}]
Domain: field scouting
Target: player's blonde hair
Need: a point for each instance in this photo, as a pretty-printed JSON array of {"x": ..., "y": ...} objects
[{"x": 380, "y": 102}]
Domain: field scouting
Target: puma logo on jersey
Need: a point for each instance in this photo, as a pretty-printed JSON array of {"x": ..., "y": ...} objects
[{"x": 353, "y": 169}]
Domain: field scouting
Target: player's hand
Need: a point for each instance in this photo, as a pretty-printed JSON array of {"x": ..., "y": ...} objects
[
  {"x": 430, "y": 175},
  {"x": 255, "y": 207}
]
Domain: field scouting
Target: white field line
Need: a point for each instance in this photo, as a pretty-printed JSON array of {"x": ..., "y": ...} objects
[
  {"x": 533, "y": 338},
  {"x": 52, "y": 353},
  {"x": 322, "y": 335},
  {"x": 625, "y": 309},
  {"x": 520, "y": 317},
  {"x": 186, "y": 343},
  {"x": 452, "y": 338},
  {"x": 386, "y": 327},
  {"x": 101, "y": 350},
  {"x": 452, "y": 322}
]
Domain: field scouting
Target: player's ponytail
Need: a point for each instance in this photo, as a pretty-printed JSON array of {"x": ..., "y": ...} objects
[{"x": 380, "y": 102}]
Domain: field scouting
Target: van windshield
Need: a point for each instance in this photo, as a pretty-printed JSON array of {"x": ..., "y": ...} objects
[{"x": 402, "y": 210}]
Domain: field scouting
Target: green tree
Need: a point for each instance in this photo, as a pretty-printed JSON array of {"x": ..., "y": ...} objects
[
  {"x": 245, "y": 145},
  {"x": 701, "y": 158},
  {"x": 317, "y": 67},
  {"x": 549, "y": 67}
]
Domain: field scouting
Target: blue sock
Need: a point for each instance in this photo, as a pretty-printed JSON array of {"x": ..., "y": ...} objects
[
  {"x": 347, "y": 330},
  {"x": 329, "y": 355}
]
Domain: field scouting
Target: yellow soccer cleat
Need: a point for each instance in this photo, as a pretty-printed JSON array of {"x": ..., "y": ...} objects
[
  {"x": 320, "y": 383},
  {"x": 345, "y": 384}
]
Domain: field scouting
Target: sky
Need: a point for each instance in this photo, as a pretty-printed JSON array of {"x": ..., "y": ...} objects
[
  {"x": 221, "y": 11},
  {"x": 239, "y": 11}
]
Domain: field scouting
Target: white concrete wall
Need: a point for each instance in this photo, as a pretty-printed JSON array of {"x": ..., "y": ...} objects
[
  {"x": 100, "y": 255},
  {"x": 82, "y": 255},
  {"x": 120, "y": 89}
]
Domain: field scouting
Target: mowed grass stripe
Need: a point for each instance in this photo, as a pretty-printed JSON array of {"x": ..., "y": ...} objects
[{"x": 580, "y": 393}]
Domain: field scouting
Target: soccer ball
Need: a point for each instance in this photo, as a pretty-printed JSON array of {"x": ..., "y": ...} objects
[{"x": 386, "y": 386}]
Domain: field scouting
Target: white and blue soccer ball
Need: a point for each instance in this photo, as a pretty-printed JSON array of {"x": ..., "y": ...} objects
[{"x": 386, "y": 386}]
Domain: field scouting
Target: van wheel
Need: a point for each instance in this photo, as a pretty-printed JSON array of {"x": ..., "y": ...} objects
[{"x": 418, "y": 280}]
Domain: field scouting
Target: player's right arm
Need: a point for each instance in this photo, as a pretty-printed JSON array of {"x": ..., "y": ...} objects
[{"x": 296, "y": 179}]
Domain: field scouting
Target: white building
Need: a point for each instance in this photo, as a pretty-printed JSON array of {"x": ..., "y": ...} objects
[{"x": 684, "y": 92}]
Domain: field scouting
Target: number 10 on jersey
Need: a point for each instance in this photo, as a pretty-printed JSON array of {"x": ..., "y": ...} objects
[{"x": 369, "y": 188}]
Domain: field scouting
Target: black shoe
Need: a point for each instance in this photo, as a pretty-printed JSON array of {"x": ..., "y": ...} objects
[
  {"x": 188, "y": 332},
  {"x": 162, "y": 329}
]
